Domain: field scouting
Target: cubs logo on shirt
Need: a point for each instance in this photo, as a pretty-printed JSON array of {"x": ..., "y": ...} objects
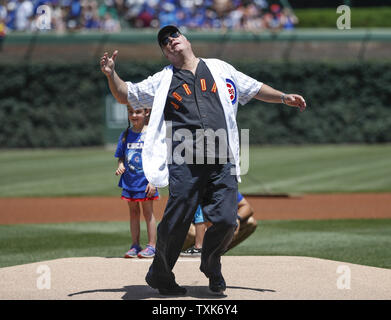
[
  {"x": 231, "y": 90},
  {"x": 134, "y": 161}
]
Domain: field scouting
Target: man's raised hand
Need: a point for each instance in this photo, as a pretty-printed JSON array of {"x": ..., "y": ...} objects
[{"x": 107, "y": 64}]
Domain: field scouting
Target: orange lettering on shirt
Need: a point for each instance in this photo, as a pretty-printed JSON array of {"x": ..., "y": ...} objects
[
  {"x": 175, "y": 105},
  {"x": 214, "y": 88},
  {"x": 177, "y": 96},
  {"x": 203, "y": 84},
  {"x": 187, "y": 89}
]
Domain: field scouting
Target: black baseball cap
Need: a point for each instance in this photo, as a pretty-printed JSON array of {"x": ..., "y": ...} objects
[{"x": 163, "y": 32}]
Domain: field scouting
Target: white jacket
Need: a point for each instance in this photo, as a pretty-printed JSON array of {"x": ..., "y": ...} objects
[{"x": 152, "y": 93}]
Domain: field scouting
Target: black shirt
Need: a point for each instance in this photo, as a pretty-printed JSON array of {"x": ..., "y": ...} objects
[{"x": 193, "y": 104}]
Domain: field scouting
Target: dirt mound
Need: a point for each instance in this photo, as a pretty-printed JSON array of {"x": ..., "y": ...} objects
[{"x": 247, "y": 277}]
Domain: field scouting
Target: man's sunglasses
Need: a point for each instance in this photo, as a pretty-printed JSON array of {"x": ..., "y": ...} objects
[{"x": 166, "y": 40}]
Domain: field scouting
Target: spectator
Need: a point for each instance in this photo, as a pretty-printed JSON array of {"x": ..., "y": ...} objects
[
  {"x": 58, "y": 17},
  {"x": 197, "y": 17},
  {"x": 90, "y": 17},
  {"x": 288, "y": 19},
  {"x": 108, "y": 6},
  {"x": 144, "y": 20},
  {"x": 24, "y": 11},
  {"x": 182, "y": 16},
  {"x": 3, "y": 16},
  {"x": 211, "y": 21},
  {"x": 148, "y": 15},
  {"x": 168, "y": 12},
  {"x": 252, "y": 19},
  {"x": 133, "y": 9},
  {"x": 110, "y": 24},
  {"x": 120, "y": 7},
  {"x": 235, "y": 18},
  {"x": 250, "y": 15},
  {"x": 222, "y": 7},
  {"x": 273, "y": 18}
]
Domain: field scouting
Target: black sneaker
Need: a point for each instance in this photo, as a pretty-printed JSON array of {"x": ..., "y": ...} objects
[
  {"x": 151, "y": 282},
  {"x": 217, "y": 285},
  {"x": 191, "y": 252},
  {"x": 172, "y": 289}
]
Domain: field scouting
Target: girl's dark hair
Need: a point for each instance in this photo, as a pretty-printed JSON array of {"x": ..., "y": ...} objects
[
  {"x": 126, "y": 132},
  {"x": 148, "y": 116}
]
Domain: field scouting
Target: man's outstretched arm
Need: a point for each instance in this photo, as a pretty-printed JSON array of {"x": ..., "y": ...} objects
[
  {"x": 117, "y": 86},
  {"x": 268, "y": 94}
]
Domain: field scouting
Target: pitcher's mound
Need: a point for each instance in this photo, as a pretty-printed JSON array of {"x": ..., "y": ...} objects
[{"x": 247, "y": 277}]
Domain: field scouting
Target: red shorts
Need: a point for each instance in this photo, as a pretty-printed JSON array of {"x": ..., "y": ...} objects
[{"x": 137, "y": 196}]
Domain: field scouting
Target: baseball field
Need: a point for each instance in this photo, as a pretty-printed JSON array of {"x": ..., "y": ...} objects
[{"x": 323, "y": 212}]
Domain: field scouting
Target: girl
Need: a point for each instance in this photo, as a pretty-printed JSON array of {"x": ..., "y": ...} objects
[{"x": 136, "y": 189}]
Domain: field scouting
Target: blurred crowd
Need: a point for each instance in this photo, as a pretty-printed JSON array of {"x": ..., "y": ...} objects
[{"x": 116, "y": 15}]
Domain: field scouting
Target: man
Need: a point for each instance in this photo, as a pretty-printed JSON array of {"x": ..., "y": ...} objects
[
  {"x": 195, "y": 236},
  {"x": 190, "y": 98}
]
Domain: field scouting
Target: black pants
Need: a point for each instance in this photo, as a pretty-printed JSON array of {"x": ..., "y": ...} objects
[{"x": 215, "y": 188}]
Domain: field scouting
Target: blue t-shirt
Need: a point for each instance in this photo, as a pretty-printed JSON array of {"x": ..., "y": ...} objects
[{"x": 133, "y": 178}]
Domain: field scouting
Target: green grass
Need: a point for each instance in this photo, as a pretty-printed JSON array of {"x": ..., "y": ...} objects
[
  {"x": 292, "y": 169},
  {"x": 29, "y": 243},
  {"x": 62, "y": 172},
  {"x": 319, "y": 169},
  {"x": 359, "y": 241},
  {"x": 364, "y": 242}
]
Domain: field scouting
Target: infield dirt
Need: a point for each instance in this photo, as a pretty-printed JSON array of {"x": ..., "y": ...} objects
[
  {"x": 250, "y": 278},
  {"x": 322, "y": 206}
]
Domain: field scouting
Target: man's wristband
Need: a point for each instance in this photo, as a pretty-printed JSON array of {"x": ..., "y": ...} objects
[{"x": 283, "y": 98}]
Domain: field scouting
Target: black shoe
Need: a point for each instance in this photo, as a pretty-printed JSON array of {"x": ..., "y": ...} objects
[
  {"x": 150, "y": 281},
  {"x": 217, "y": 285},
  {"x": 173, "y": 290},
  {"x": 203, "y": 271},
  {"x": 191, "y": 252}
]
